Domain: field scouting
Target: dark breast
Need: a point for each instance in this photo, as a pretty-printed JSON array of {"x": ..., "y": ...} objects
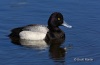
[{"x": 55, "y": 37}]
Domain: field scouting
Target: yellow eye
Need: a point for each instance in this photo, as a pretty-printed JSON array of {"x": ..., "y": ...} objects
[{"x": 58, "y": 18}]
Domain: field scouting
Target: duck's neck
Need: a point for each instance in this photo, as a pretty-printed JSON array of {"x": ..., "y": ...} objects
[{"x": 54, "y": 29}]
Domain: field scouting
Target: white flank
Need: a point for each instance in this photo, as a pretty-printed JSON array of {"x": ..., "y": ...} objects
[{"x": 30, "y": 35}]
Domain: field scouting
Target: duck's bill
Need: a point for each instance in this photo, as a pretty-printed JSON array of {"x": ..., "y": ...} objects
[{"x": 66, "y": 25}]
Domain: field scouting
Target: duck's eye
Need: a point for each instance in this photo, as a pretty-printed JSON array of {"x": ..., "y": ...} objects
[{"x": 58, "y": 18}]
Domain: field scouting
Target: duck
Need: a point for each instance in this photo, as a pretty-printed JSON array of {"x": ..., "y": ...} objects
[{"x": 42, "y": 32}]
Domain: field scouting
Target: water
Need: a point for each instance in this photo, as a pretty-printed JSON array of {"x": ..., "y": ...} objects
[{"x": 83, "y": 38}]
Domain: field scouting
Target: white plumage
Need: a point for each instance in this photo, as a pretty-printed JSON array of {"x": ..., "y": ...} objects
[
  {"x": 37, "y": 28},
  {"x": 37, "y": 32}
]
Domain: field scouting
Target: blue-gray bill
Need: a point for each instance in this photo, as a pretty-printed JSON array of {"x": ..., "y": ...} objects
[{"x": 66, "y": 25}]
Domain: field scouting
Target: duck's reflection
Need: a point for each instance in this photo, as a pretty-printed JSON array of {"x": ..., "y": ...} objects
[
  {"x": 36, "y": 44},
  {"x": 56, "y": 52}
]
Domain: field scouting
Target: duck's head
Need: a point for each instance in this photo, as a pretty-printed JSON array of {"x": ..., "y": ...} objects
[{"x": 56, "y": 19}]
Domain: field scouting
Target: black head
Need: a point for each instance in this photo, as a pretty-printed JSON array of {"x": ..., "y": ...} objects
[{"x": 55, "y": 20}]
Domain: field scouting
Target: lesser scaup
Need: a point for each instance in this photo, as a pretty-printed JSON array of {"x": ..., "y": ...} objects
[{"x": 41, "y": 32}]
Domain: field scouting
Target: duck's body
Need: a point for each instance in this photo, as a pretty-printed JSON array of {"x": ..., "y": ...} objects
[
  {"x": 41, "y": 32},
  {"x": 36, "y": 32}
]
